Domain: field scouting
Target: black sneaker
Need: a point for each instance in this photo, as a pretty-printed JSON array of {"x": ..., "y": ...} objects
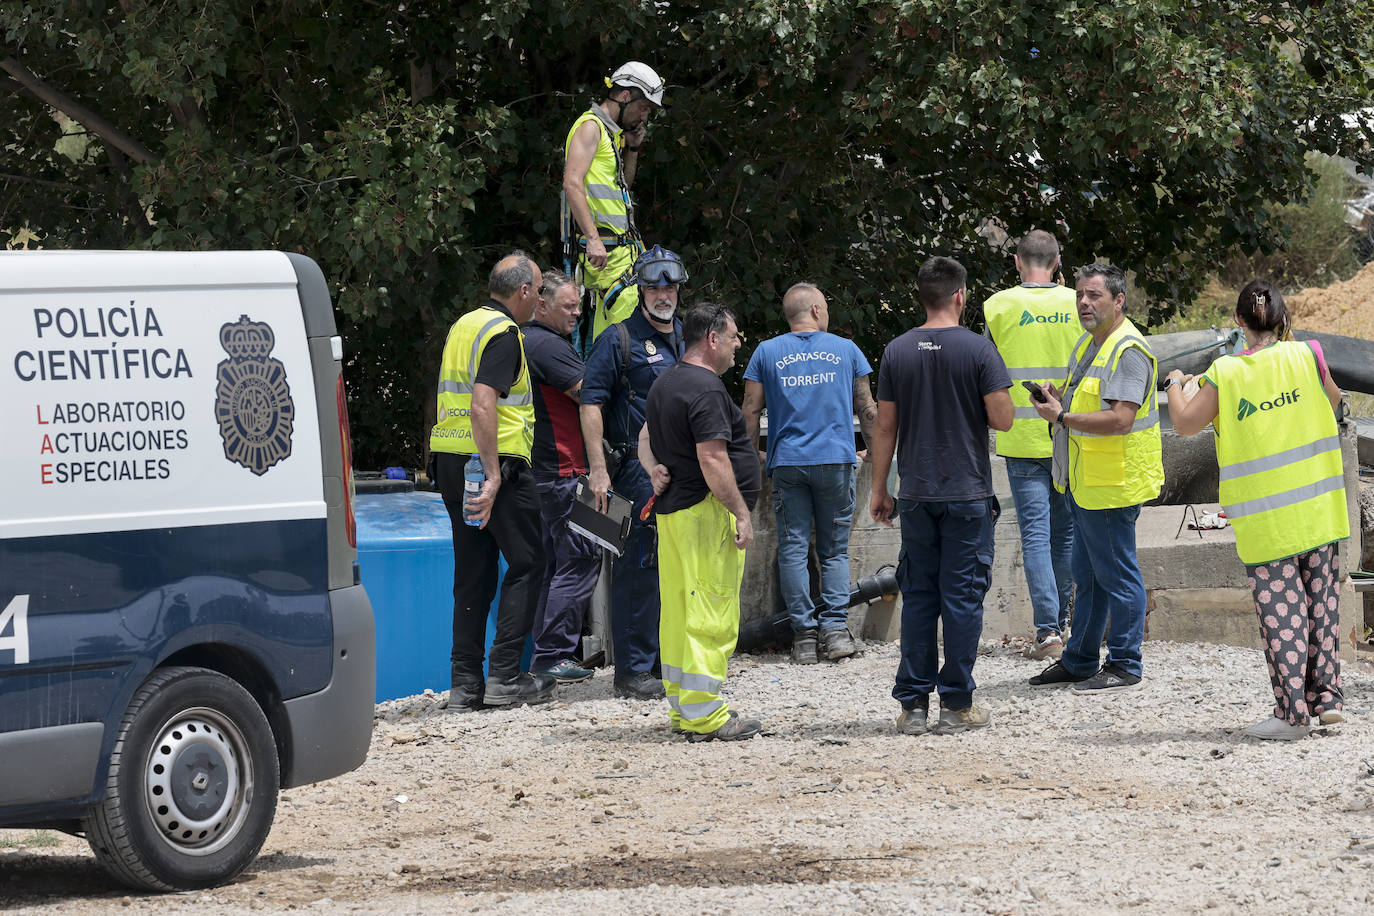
[
  {"x": 1056, "y": 675},
  {"x": 465, "y": 697},
  {"x": 1110, "y": 678},
  {"x": 641, "y": 686},
  {"x": 522, "y": 688}
]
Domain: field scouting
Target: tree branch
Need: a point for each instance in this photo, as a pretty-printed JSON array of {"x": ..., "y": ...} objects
[{"x": 79, "y": 113}]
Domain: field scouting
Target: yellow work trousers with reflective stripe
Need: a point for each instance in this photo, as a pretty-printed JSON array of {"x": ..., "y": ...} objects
[
  {"x": 619, "y": 262},
  {"x": 699, "y": 573}
]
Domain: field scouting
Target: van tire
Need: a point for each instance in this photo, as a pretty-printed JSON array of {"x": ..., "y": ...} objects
[{"x": 219, "y": 803}]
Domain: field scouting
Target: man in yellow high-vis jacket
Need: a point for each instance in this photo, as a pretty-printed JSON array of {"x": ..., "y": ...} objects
[
  {"x": 601, "y": 158},
  {"x": 1107, "y": 457},
  {"x": 486, "y": 409},
  {"x": 1035, "y": 327}
]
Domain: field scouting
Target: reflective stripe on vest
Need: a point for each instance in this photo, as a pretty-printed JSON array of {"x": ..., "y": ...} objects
[
  {"x": 1034, "y": 329},
  {"x": 1111, "y": 472},
  {"x": 1279, "y": 453},
  {"x": 605, "y": 196},
  {"x": 467, "y": 341}
]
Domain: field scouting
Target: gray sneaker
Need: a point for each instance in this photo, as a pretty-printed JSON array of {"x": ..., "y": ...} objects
[
  {"x": 736, "y": 728},
  {"x": 961, "y": 720},
  {"x": 804, "y": 647},
  {"x": 912, "y": 720},
  {"x": 836, "y": 644}
]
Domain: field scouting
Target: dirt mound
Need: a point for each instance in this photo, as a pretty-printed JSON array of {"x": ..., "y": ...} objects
[{"x": 1342, "y": 308}]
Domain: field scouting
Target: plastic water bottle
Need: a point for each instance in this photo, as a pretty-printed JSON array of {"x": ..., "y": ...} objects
[{"x": 474, "y": 475}]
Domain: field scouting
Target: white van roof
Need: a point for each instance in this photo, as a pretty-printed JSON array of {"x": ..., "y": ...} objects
[{"x": 58, "y": 270}]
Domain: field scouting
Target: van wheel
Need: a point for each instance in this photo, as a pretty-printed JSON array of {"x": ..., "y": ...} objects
[{"x": 192, "y": 787}]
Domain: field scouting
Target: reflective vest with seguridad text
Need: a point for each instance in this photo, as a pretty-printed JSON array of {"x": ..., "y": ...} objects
[
  {"x": 467, "y": 340},
  {"x": 1112, "y": 472},
  {"x": 1034, "y": 328},
  {"x": 1279, "y": 453}
]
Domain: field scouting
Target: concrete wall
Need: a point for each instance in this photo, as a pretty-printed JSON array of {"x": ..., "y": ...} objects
[{"x": 1197, "y": 586}]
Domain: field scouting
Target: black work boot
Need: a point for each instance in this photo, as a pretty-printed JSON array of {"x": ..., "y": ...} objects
[
  {"x": 519, "y": 688},
  {"x": 466, "y": 697},
  {"x": 804, "y": 647},
  {"x": 836, "y": 644}
]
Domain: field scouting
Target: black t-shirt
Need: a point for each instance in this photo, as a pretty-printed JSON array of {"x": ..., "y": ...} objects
[
  {"x": 554, "y": 368},
  {"x": 499, "y": 363},
  {"x": 937, "y": 377},
  {"x": 687, "y": 405}
]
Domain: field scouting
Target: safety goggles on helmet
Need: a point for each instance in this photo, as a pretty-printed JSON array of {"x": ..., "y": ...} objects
[
  {"x": 634, "y": 75},
  {"x": 659, "y": 267}
]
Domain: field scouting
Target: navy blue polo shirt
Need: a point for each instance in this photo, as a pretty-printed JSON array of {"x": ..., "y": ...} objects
[{"x": 651, "y": 354}]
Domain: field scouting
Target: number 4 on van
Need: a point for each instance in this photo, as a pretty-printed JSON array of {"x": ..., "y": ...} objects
[{"x": 16, "y": 615}]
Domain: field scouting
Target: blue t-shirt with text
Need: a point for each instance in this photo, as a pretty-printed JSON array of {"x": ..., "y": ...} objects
[{"x": 808, "y": 388}]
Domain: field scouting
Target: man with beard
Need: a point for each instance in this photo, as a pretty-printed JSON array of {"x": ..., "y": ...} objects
[{"x": 621, "y": 367}]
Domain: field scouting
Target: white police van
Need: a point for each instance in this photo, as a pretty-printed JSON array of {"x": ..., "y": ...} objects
[{"x": 182, "y": 628}]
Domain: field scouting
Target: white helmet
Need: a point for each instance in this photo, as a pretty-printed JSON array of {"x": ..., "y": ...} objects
[{"x": 634, "y": 75}]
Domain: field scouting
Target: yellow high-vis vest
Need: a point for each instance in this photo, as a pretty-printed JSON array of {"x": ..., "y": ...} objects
[
  {"x": 1279, "y": 451},
  {"x": 1111, "y": 472},
  {"x": 467, "y": 341},
  {"x": 605, "y": 195},
  {"x": 1035, "y": 328}
]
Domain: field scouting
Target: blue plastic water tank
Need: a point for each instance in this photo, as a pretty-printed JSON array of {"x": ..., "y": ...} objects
[{"x": 405, "y": 553}]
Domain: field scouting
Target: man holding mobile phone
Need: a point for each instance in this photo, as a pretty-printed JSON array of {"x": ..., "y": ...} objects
[{"x": 1034, "y": 327}]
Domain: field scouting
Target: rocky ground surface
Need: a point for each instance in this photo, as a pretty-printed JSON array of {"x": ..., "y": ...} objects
[{"x": 1142, "y": 801}]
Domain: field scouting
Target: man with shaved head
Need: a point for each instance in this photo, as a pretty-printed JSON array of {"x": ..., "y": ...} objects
[{"x": 813, "y": 383}]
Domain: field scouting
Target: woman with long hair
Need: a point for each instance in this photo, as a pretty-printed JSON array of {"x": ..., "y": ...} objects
[{"x": 1283, "y": 491}]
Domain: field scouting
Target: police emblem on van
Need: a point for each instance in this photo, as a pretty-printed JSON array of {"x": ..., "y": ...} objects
[{"x": 252, "y": 399}]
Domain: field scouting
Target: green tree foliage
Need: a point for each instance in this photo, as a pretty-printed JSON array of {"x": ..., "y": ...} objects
[{"x": 405, "y": 146}]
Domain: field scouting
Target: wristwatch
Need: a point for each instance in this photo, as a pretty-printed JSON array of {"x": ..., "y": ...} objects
[
  {"x": 1171, "y": 381},
  {"x": 1060, "y": 419}
]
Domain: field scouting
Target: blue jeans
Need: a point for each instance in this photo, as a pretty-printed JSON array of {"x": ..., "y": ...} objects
[
  {"x": 822, "y": 494},
  {"x": 634, "y": 581},
  {"x": 944, "y": 570},
  {"x": 1111, "y": 593},
  {"x": 1046, "y": 542}
]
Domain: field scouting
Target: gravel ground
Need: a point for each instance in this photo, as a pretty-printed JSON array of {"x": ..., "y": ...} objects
[{"x": 1142, "y": 801}]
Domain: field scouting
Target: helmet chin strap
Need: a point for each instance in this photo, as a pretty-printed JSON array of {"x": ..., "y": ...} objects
[{"x": 635, "y": 96}]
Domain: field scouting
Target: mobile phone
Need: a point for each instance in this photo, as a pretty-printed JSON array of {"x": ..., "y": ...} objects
[{"x": 1036, "y": 392}]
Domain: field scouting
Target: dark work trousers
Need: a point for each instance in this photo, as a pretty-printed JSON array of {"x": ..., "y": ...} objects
[
  {"x": 634, "y": 581},
  {"x": 513, "y": 530},
  {"x": 572, "y": 564},
  {"x": 944, "y": 570}
]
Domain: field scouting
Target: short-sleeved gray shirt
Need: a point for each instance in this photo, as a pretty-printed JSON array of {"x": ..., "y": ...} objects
[{"x": 1129, "y": 381}]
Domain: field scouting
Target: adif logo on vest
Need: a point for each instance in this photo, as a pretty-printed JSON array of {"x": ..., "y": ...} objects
[
  {"x": 1056, "y": 318},
  {"x": 1245, "y": 409}
]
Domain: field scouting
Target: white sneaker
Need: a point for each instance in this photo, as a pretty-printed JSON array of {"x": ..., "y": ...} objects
[
  {"x": 1331, "y": 717},
  {"x": 1050, "y": 646},
  {"x": 1275, "y": 729}
]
